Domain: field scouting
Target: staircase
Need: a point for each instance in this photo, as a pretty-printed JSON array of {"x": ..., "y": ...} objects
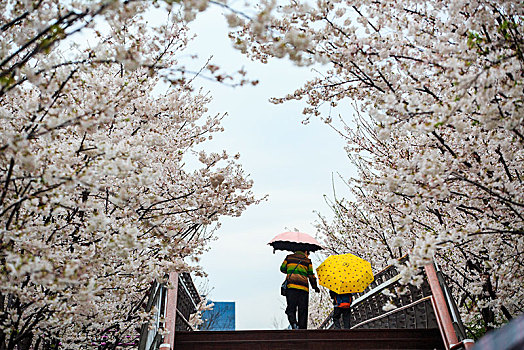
[
  {"x": 425, "y": 317},
  {"x": 369, "y": 339}
]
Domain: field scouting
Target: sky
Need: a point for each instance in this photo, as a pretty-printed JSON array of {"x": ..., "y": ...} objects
[{"x": 290, "y": 162}]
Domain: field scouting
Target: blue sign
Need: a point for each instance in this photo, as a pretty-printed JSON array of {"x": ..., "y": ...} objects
[{"x": 221, "y": 318}]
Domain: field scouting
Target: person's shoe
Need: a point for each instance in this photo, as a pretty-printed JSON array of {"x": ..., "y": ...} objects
[{"x": 294, "y": 326}]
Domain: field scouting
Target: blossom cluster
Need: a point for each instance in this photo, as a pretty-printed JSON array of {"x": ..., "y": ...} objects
[
  {"x": 97, "y": 201},
  {"x": 438, "y": 138}
]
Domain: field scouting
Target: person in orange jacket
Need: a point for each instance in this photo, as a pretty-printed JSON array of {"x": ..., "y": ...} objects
[{"x": 341, "y": 307}]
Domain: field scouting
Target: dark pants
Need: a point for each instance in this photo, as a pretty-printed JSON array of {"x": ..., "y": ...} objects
[
  {"x": 346, "y": 317},
  {"x": 297, "y": 300}
]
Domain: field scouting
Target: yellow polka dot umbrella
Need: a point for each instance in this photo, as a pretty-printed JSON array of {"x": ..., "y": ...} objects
[{"x": 345, "y": 273}]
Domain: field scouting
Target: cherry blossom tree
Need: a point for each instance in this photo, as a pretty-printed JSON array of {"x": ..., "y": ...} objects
[
  {"x": 104, "y": 187},
  {"x": 438, "y": 90}
]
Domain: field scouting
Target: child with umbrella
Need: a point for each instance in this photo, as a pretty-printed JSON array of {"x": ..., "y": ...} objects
[{"x": 342, "y": 275}]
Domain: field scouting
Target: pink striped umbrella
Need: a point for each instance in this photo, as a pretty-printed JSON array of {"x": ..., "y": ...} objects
[{"x": 294, "y": 241}]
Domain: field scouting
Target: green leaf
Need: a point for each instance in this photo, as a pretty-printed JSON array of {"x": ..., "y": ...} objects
[{"x": 6, "y": 80}]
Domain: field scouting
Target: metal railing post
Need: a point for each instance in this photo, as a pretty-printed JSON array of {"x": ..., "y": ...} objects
[
  {"x": 441, "y": 308},
  {"x": 171, "y": 312}
]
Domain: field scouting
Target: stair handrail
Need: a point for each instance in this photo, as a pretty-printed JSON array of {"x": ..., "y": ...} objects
[
  {"x": 168, "y": 314},
  {"x": 446, "y": 310},
  {"x": 150, "y": 333},
  {"x": 455, "y": 313}
]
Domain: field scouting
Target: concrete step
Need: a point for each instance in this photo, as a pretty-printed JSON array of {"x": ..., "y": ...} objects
[{"x": 369, "y": 339}]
